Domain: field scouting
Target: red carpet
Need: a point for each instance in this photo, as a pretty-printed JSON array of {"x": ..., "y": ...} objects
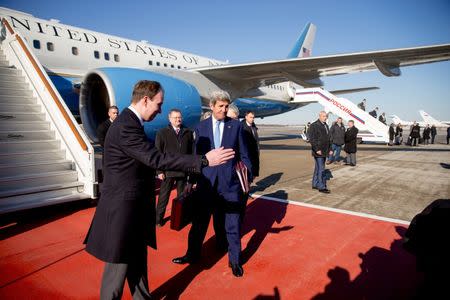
[{"x": 291, "y": 252}]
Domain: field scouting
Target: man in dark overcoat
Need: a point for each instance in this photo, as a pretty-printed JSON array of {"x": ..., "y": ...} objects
[
  {"x": 250, "y": 132},
  {"x": 319, "y": 137},
  {"x": 175, "y": 138}
]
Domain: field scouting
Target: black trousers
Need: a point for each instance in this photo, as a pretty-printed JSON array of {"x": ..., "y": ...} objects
[
  {"x": 164, "y": 193},
  {"x": 135, "y": 272}
]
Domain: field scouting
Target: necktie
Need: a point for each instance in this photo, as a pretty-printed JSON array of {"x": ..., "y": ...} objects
[
  {"x": 217, "y": 135},
  {"x": 177, "y": 130}
]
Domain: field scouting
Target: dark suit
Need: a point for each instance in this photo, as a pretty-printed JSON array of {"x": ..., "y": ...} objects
[
  {"x": 252, "y": 139},
  {"x": 168, "y": 141},
  {"x": 319, "y": 137},
  {"x": 219, "y": 191},
  {"x": 102, "y": 129},
  {"x": 124, "y": 221}
]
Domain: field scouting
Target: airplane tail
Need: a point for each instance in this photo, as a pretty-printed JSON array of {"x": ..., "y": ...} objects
[
  {"x": 396, "y": 120},
  {"x": 303, "y": 45},
  {"x": 428, "y": 119}
]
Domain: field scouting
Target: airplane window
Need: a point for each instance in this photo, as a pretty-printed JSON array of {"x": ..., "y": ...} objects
[
  {"x": 106, "y": 56},
  {"x": 96, "y": 54},
  {"x": 150, "y": 63},
  {"x": 50, "y": 47},
  {"x": 116, "y": 58},
  {"x": 179, "y": 67},
  {"x": 157, "y": 63},
  {"x": 37, "y": 44},
  {"x": 172, "y": 66},
  {"x": 74, "y": 50},
  {"x": 165, "y": 65}
]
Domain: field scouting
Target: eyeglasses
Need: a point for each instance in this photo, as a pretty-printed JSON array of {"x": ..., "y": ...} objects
[{"x": 176, "y": 118}]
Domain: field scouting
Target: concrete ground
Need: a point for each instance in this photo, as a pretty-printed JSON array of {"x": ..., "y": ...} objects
[{"x": 395, "y": 182}]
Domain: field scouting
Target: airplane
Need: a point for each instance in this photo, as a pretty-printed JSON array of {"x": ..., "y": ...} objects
[
  {"x": 92, "y": 71},
  {"x": 432, "y": 121},
  {"x": 396, "y": 120}
]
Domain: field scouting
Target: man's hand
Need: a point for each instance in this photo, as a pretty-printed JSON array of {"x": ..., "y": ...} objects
[
  {"x": 330, "y": 153},
  {"x": 161, "y": 176},
  {"x": 219, "y": 156},
  {"x": 319, "y": 152}
]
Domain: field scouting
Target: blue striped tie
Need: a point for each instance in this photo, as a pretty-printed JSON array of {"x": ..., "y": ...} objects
[{"x": 217, "y": 135}]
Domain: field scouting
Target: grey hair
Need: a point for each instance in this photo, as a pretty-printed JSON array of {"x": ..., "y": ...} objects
[
  {"x": 233, "y": 108},
  {"x": 219, "y": 95}
]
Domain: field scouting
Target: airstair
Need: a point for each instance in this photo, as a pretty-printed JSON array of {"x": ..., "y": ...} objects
[
  {"x": 371, "y": 130},
  {"x": 45, "y": 157}
]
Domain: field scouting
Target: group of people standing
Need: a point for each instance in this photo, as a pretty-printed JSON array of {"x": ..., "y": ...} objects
[
  {"x": 326, "y": 145},
  {"x": 125, "y": 220},
  {"x": 396, "y": 135}
]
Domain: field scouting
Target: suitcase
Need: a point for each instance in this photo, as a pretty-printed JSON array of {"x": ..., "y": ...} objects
[{"x": 181, "y": 213}]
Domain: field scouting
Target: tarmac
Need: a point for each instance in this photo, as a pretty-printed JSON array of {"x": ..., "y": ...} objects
[{"x": 389, "y": 181}]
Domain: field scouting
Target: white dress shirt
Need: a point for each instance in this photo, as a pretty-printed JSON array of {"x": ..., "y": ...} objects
[
  {"x": 137, "y": 114},
  {"x": 221, "y": 126}
]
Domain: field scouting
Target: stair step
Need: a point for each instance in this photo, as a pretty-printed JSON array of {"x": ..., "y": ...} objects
[
  {"x": 9, "y": 71},
  {"x": 6, "y": 116},
  {"x": 17, "y": 99},
  {"x": 24, "y": 125},
  {"x": 25, "y": 157},
  {"x": 20, "y": 107},
  {"x": 37, "y": 179},
  {"x": 31, "y": 146},
  {"x": 16, "y": 169},
  {"x": 15, "y": 91},
  {"x": 7, "y": 83},
  {"x": 75, "y": 185},
  {"x": 11, "y": 77},
  {"x": 22, "y": 135},
  {"x": 18, "y": 203}
]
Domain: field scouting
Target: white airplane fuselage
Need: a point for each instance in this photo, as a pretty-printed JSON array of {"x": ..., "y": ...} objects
[{"x": 68, "y": 52}]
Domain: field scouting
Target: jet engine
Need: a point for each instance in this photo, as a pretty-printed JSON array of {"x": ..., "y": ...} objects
[{"x": 104, "y": 87}]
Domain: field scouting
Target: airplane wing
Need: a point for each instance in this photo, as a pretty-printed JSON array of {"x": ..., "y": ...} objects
[
  {"x": 356, "y": 90},
  {"x": 307, "y": 71}
]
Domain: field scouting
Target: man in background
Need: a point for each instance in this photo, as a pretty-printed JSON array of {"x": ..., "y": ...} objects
[
  {"x": 362, "y": 105},
  {"x": 175, "y": 138},
  {"x": 252, "y": 139},
  {"x": 233, "y": 112},
  {"x": 351, "y": 138},
  {"x": 102, "y": 129},
  {"x": 319, "y": 137},
  {"x": 373, "y": 113},
  {"x": 337, "y": 133}
]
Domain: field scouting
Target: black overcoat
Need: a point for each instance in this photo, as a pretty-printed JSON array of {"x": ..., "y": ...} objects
[
  {"x": 167, "y": 141},
  {"x": 350, "y": 140},
  {"x": 252, "y": 145},
  {"x": 319, "y": 138},
  {"x": 124, "y": 221}
]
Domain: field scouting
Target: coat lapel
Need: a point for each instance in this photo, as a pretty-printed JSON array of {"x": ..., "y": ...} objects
[
  {"x": 209, "y": 129},
  {"x": 227, "y": 128}
]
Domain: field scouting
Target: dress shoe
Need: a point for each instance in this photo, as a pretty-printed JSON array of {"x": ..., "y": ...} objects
[
  {"x": 326, "y": 191},
  {"x": 315, "y": 188},
  {"x": 184, "y": 260},
  {"x": 237, "y": 270}
]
